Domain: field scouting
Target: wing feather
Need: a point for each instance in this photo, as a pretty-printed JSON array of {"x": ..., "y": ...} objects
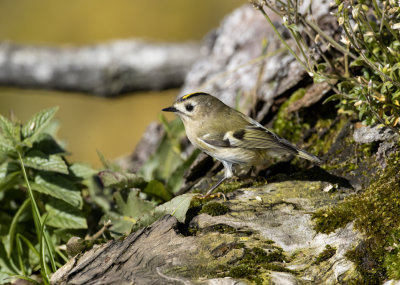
[{"x": 256, "y": 137}]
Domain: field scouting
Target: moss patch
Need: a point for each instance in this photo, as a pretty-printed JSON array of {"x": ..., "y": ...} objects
[
  {"x": 285, "y": 125},
  {"x": 255, "y": 264},
  {"x": 327, "y": 253},
  {"x": 376, "y": 214},
  {"x": 232, "y": 185},
  {"x": 215, "y": 209}
]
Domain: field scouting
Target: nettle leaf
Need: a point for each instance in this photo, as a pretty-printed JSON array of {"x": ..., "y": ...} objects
[
  {"x": 177, "y": 207},
  {"x": 10, "y": 181},
  {"x": 37, "y": 123},
  {"x": 10, "y": 175},
  {"x": 121, "y": 180},
  {"x": 7, "y": 168},
  {"x": 62, "y": 215},
  {"x": 176, "y": 179},
  {"x": 59, "y": 187},
  {"x": 132, "y": 210},
  {"x": 6, "y": 145},
  {"x": 48, "y": 145},
  {"x": 132, "y": 206},
  {"x": 40, "y": 161},
  {"x": 82, "y": 170},
  {"x": 8, "y": 130},
  {"x": 167, "y": 158},
  {"x": 156, "y": 189}
]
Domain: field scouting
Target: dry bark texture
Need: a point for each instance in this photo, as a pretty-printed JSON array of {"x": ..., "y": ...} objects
[{"x": 139, "y": 259}]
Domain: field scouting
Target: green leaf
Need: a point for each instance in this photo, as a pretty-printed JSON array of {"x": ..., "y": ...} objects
[
  {"x": 106, "y": 163},
  {"x": 132, "y": 206},
  {"x": 156, "y": 189},
  {"x": 6, "y": 263},
  {"x": 9, "y": 175},
  {"x": 121, "y": 180},
  {"x": 40, "y": 161},
  {"x": 120, "y": 225},
  {"x": 6, "y": 145},
  {"x": 176, "y": 179},
  {"x": 318, "y": 78},
  {"x": 82, "y": 170},
  {"x": 357, "y": 62},
  {"x": 167, "y": 157},
  {"x": 55, "y": 185},
  {"x": 177, "y": 207},
  {"x": 48, "y": 145},
  {"x": 131, "y": 210},
  {"x": 37, "y": 123},
  {"x": 10, "y": 181},
  {"x": 63, "y": 216},
  {"x": 321, "y": 67},
  {"x": 8, "y": 130},
  {"x": 333, "y": 98},
  {"x": 13, "y": 226}
]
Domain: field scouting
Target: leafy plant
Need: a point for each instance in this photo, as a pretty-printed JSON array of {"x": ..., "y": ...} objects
[
  {"x": 143, "y": 197},
  {"x": 40, "y": 194},
  {"x": 168, "y": 163},
  {"x": 363, "y": 67},
  {"x": 132, "y": 210}
]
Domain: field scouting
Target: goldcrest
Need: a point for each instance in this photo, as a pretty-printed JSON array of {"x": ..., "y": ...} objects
[{"x": 228, "y": 135}]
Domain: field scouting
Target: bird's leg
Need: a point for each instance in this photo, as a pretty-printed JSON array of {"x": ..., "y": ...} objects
[
  {"x": 228, "y": 174},
  {"x": 215, "y": 186}
]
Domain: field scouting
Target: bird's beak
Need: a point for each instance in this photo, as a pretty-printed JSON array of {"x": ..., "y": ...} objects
[{"x": 170, "y": 109}]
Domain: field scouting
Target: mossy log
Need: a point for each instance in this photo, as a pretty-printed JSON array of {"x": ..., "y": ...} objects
[{"x": 265, "y": 234}]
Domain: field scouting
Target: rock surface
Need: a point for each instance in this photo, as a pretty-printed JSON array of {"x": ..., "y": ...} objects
[{"x": 267, "y": 223}]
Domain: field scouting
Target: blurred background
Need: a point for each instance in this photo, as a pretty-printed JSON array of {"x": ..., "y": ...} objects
[{"x": 89, "y": 123}]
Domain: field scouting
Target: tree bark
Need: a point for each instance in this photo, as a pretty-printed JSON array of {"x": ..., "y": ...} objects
[
  {"x": 138, "y": 259},
  {"x": 106, "y": 69}
]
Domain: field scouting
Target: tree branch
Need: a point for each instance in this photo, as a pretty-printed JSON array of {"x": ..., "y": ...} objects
[{"x": 105, "y": 69}]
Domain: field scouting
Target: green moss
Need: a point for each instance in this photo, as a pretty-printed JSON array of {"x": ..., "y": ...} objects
[
  {"x": 232, "y": 185},
  {"x": 327, "y": 253},
  {"x": 278, "y": 268},
  {"x": 392, "y": 257},
  {"x": 376, "y": 214},
  {"x": 367, "y": 263},
  {"x": 316, "y": 130},
  {"x": 284, "y": 124},
  {"x": 221, "y": 228},
  {"x": 254, "y": 264},
  {"x": 215, "y": 209},
  {"x": 242, "y": 271},
  {"x": 329, "y": 219},
  {"x": 262, "y": 256},
  {"x": 330, "y": 129}
]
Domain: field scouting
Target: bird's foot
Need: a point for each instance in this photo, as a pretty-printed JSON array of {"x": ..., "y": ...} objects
[{"x": 212, "y": 196}]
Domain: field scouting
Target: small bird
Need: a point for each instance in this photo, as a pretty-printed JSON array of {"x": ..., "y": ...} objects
[{"x": 229, "y": 135}]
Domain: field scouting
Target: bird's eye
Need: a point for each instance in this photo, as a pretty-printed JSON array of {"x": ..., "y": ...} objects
[{"x": 189, "y": 107}]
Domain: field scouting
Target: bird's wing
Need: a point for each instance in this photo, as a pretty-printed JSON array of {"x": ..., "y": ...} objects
[
  {"x": 251, "y": 136},
  {"x": 216, "y": 140},
  {"x": 256, "y": 137}
]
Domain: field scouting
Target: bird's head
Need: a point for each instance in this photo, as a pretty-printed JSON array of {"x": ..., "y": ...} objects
[{"x": 195, "y": 106}]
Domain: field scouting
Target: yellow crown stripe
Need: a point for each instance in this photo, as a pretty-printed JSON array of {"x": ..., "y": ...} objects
[{"x": 187, "y": 96}]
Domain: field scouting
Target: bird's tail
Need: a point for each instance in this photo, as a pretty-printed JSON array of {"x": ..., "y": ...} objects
[
  {"x": 284, "y": 146},
  {"x": 309, "y": 156}
]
